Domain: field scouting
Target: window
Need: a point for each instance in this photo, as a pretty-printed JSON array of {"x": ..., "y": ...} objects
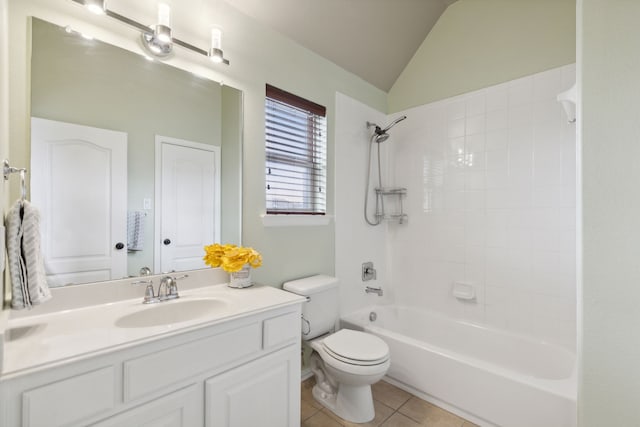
[{"x": 296, "y": 147}]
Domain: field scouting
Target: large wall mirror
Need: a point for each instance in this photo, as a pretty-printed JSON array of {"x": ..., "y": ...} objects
[{"x": 134, "y": 163}]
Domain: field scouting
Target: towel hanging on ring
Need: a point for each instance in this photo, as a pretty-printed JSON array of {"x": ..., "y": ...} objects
[{"x": 26, "y": 264}]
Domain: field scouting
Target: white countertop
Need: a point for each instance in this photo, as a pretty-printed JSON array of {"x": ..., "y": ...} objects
[{"x": 39, "y": 341}]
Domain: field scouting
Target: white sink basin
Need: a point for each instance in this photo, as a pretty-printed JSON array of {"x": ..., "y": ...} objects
[{"x": 167, "y": 313}]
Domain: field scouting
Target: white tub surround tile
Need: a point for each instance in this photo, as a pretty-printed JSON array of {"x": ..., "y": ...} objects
[{"x": 491, "y": 201}]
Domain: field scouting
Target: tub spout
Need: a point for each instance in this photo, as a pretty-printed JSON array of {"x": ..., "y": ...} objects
[{"x": 370, "y": 290}]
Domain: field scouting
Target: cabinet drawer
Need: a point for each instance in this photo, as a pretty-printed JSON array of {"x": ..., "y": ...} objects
[
  {"x": 69, "y": 401},
  {"x": 153, "y": 372},
  {"x": 280, "y": 330}
]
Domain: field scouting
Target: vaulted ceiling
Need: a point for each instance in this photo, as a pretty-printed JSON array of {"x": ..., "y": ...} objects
[{"x": 374, "y": 39}]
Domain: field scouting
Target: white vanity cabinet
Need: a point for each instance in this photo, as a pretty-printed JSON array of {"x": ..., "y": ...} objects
[
  {"x": 181, "y": 408},
  {"x": 239, "y": 372},
  {"x": 255, "y": 394}
]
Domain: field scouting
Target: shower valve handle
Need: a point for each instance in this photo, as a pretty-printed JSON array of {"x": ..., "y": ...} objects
[{"x": 368, "y": 272}]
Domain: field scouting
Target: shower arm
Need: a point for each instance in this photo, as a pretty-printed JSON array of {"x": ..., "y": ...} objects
[{"x": 378, "y": 130}]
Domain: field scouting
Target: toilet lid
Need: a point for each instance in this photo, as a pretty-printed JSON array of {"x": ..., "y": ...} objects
[{"x": 356, "y": 346}]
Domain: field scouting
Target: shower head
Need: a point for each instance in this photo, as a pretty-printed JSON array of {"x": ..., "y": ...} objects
[{"x": 381, "y": 135}]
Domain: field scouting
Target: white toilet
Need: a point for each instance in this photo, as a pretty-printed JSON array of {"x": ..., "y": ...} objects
[{"x": 346, "y": 362}]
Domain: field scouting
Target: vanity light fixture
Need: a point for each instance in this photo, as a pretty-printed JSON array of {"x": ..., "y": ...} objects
[
  {"x": 215, "y": 53},
  {"x": 159, "y": 43},
  {"x": 163, "y": 28},
  {"x": 157, "y": 39}
]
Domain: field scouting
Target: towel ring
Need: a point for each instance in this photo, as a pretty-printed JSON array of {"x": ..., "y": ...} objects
[
  {"x": 23, "y": 185},
  {"x": 7, "y": 170}
]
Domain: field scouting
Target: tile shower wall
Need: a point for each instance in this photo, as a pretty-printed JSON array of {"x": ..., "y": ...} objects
[
  {"x": 491, "y": 202},
  {"x": 356, "y": 242}
]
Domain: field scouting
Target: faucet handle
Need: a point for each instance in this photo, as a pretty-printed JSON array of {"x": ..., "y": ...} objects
[
  {"x": 142, "y": 282},
  {"x": 149, "y": 295},
  {"x": 173, "y": 286}
]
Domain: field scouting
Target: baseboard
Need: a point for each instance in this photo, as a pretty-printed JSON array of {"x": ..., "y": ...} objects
[{"x": 306, "y": 374}]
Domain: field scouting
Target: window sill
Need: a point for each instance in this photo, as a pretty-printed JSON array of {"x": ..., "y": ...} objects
[{"x": 295, "y": 220}]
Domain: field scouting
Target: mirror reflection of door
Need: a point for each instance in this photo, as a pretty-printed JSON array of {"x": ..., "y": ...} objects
[
  {"x": 79, "y": 185},
  {"x": 188, "y": 199}
]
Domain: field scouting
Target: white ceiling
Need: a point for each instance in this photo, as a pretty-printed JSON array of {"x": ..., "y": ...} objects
[{"x": 374, "y": 39}]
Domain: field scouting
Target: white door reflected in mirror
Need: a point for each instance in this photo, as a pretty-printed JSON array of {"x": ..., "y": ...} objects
[
  {"x": 79, "y": 182},
  {"x": 188, "y": 197}
]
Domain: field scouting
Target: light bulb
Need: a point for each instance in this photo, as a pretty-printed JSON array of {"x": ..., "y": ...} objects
[
  {"x": 215, "y": 53},
  {"x": 216, "y": 57},
  {"x": 164, "y": 15},
  {"x": 95, "y": 6},
  {"x": 216, "y": 38},
  {"x": 163, "y": 29}
]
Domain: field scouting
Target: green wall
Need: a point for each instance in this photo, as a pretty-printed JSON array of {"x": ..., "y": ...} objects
[
  {"x": 609, "y": 130},
  {"x": 479, "y": 43},
  {"x": 231, "y": 197}
]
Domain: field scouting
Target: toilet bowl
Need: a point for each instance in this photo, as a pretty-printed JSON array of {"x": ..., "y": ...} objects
[{"x": 345, "y": 362}]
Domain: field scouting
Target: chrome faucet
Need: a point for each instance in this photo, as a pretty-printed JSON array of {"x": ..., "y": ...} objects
[
  {"x": 167, "y": 289},
  {"x": 163, "y": 288},
  {"x": 370, "y": 290},
  {"x": 170, "y": 287}
]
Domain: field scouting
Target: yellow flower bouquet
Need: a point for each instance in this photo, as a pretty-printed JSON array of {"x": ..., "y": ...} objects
[{"x": 231, "y": 257}]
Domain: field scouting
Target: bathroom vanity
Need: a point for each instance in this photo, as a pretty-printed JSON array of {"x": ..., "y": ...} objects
[{"x": 214, "y": 357}]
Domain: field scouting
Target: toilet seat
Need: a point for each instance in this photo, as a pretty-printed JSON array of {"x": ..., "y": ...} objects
[
  {"x": 355, "y": 362},
  {"x": 356, "y": 348}
]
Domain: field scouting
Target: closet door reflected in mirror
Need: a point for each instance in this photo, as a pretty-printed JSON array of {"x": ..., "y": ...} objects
[
  {"x": 188, "y": 199},
  {"x": 78, "y": 181}
]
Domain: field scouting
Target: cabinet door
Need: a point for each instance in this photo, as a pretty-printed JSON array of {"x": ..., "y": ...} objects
[
  {"x": 182, "y": 408},
  {"x": 265, "y": 393}
]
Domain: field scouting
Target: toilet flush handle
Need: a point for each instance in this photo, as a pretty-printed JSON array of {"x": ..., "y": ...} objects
[{"x": 306, "y": 323}]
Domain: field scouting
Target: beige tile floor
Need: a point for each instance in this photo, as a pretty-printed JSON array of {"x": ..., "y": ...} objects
[{"x": 394, "y": 408}]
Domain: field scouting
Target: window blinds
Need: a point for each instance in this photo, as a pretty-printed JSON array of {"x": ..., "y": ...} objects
[{"x": 295, "y": 154}]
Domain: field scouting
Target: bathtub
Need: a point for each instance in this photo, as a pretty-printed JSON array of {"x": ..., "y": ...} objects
[{"x": 490, "y": 377}]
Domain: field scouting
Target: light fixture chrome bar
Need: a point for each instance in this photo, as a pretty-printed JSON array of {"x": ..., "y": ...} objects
[
  {"x": 128, "y": 21},
  {"x": 190, "y": 46},
  {"x": 195, "y": 49},
  {"x": 148, "y": 30}
]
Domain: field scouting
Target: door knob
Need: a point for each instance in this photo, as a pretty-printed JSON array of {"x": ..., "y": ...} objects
[
  {"x": 119, "y": 245},
  {"x": 166, "y": 241}
]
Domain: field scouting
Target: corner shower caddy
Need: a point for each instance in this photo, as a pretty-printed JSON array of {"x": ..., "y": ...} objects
[{"x": 391, "y": 196}]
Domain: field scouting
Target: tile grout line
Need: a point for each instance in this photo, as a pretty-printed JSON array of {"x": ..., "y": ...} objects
[
  {"x": 380, "y": 423},
  {"x": 390, "y": 415}
]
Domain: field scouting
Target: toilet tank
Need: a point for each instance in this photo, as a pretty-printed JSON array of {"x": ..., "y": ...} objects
[{"x": 320, "y": 312}]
